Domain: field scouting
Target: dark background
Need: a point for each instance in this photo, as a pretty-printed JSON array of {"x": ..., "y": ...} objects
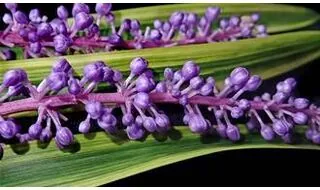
[{"x": 255, "y": 167}]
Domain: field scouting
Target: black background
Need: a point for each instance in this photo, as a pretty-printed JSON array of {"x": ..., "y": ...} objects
[{"x": 255, "y": 167}]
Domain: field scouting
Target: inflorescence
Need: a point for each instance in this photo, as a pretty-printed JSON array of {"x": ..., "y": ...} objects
[
  {"x": 40, "y": 38},
  {"x": 138, "y": 95}
]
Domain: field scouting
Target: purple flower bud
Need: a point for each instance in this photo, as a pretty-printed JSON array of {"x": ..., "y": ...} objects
[
  {"x": 94, "y": 29},
  {"x": 115, "y": 39},
  {"x": 139, "y": 121},
  {"x": 224, "y": 23},
  {"x": 253, "y": 83},
  {"x": 221, "y": 130},
  {"x": 11, "y": 6},
  {"x": 8, "y": 54},
  {"x": 252, "y": 124},
  {"x": 190, "y": 34},
  {"x": 206, "y": 89},
  {"x": 34, "y": 16},
  {"x": 138, "y": 65},
  {"x": 35, "y": 131},
  {"x": 61, "y": 43},
  {"x": 267, "y": 133},
  {"x": 57, "y": 81},
  {"x": 284, "y": 87},
  {"x": 8, "y": 129},
  {"x": 144, "y": 84},
  {"x": 110, "y": 17},
  {"x": 93, "y": 72},
  {"x": 212, "y": 13},
  {"x": 211, "y": 80},
  {"x": 239, "y": 76},
  {"x": 7, "y": 18},
  {"x": 84, "y": 126},
  {"x": 46, "y": 135},
  {"x": 309, "y": 133},
  {"x": 261, "y": 28},
  {"x": 236, "y": 112},
  {"x": 234, "y": 21},
  {"x": 301, "y": 103},
  {"x": 203, "y": 22},
  {"x": 189, "y": 70},
  {"x": 197, "y": 124},
  {"x": 33, "y": 37},
  {"x": 291, "y": 81},
  {"x": 161, "y": 87},
  {"x": 280, "y": 97},
  {"x": 135, "y": 132},
  {"x": 127, "y": 119},
  {"x": 126, "y": 24},
  {"x": 244, "y": 104},
  {"x": 107, "y": 74},
  {"x": 316, "y": 138},
  {"x": 83, "y": 20},
  {"x": 192, "y": 19},
  {"x": 64, "y": 137},
  {"x": 300, "y": 118},
  {"x": 62, "y": 12},
  {"x": 233, "y": 133},
  {"x": 255, "y": 17},
  {"x": 157, "y": 24},
  {"x": 35, "y": 47},
  {"x": 103, "y": 8},
  {"x": 155, "y": 35},
  {"x": 227, "y": 81},
  {"x": 246, "y": 32},
  {"x": 183, "y": 100},
  {"x": 94, "y": 109},
  {"x": 163, "y": 122},
  {"x": 280, "y": 127},
  {"x": 117, "y": 76},
  {"x": 266, "y": 96},
  {"x": 219, "y": 114},
  {"x": 135, "y": 25},
  {"x": 13, "y": 77},
  {"x": 20, "y": 17},
  {"x": 61, "y": 65},
  {"x": 142, "y": 100},
  {"x": 166, "y": 27},
  {"x": 149, "y": 124},
  {"x": 74, "y": 86},
  {"x": 80, "y": 7},
  {"x": 168, "y": 74},
  {"x": 176, "y": 19},
  {"x": 196, "y": 82},
  {"x": 108, "y": 122}
]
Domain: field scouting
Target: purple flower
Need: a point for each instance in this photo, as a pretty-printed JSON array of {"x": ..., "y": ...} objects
[
  {"x": 8, "y": 129},
  {"x": 196, "y": 82},
  {"x": 197, "y": 124},
  {"x": 135, "y": 132},
  {"x": 300, "y": 118},
  {"x": 46, "y": 135},
  {"x": 93, "y": 72},
  {"x": 64, "y": 137},
  {"x": 212, "y": 13},
  {"x": 155, "y": 35},
  {"x": 74, "y": 86},
  {"x": 239, "y": 76},
  {"x": 162, "y": 122},
  {"x": 57, "y": 81},
  {"x": 13, "y": 77},
  {"x": 35, "y": 47},
  {"x": 149, "y": 124},
  {"x": 62, "y": 12},
  {"x": 83, "y": 20},
  {"x": 233, "y": 133},
  {"x": 7, "y": 18},
  {"x": 236, "y": 112},
  {"x": 61, "y": 43},
  {"x": 138, "y": 66},
  {"x": 61, "y": 65},
  {"x": 103, "y": 8},
  {"x": 267, "y": 133},
  {"x": 157, "y": 24},
  {"x": 176, "y": 18},
  {"x": 108, "y": 122},
  {"x": 127, "y": 119},
  {"x": 20, "y": 17},
  {"x": 84, "y": 126},
  {"x": 34, "y": 16},
  {"x": 189, "y": 70},
  {"x": 301, "y": 103},
  {"x": 253, "y": 83},
  {"x": 142, "y": 100},
  {"x": 94, "y": 109},
  {"x": 80, "y": 7},
  {"x": 44, "y": 30},
  {"x": 280, "y": 127},
  {"x": 35, "y": 131},
  {"x": 11, "y": 6}
]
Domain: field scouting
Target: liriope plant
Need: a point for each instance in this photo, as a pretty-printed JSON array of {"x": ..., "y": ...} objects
[{"x": 142, "y": 135}]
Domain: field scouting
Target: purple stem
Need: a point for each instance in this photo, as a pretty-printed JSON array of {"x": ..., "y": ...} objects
[{"x": 56, "y": 101}]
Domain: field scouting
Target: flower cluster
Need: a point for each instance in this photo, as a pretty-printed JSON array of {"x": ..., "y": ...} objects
[
  {"x": 137, "y": 96},
  {"x": 40, "y": 37}
]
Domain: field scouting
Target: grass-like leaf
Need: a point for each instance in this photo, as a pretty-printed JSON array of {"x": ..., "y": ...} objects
[
  {"x": 102, "y": 159},
  {"x": 277, "y": 17},
  {"x": 267, "y": 57}
]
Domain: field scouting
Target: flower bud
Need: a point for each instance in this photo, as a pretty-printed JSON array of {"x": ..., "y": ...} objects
[
  {"x": 35, "y": 131},
  {"x": 103, "y": 8},
  {"x": 134, "y": 132},
  {"x": 234, "y": 21},
  {"x": 189, "y": 70},
  {"x": 239, "y": 76},
  {"x": 11, "y": 6},
  {"x": 253, "y": 83},
  {"x": 20, "y": 17},
  {"x": 196, "y": 82},
  {"x": 176, "y": 19},
  {"x": 221, "y": 130},
  {"x": 316, "y": 138},
  {"x": 155, "y": 35},
  {"x": 80, "y": 7},
  {"x": 83, "y": 20},
  {"x": 280, "y": 127},
  {"x": 74, "y": 86},
  {"x": 8, "y": 129},
  {"x": 127, "y": 119},
  {"x": 206, "y": 89},
  {"x": 144, "y": 84},
  {"x": 236, "y": 112},
  {"x": 84, "y": 127},
  {"x": 44, "y": 30},
  {"x": 157, "y": 24},
  {"x": 138, "y": 66},
  {"x": 62, "y": 12},
  {"x": 135, "y": 25},
  {"x": 301, "y": 103},
  {"x": 94, "y": 109},
  {"x": 233, "y": 133},
  {"x": 46, "y": 135},
  {"x": 64, "y": 137},
  {"x": 108, "y": 122},
  {"x": 212, "y": 13},
  {"x": 7, "y": 18},
  {"x": 267, "y": 133},
  {"x": 163, "y": 122},
  {"x": 224, "y": 23},
  {"x": 35, "y": 47},
  {"x": 57, "y": 81},
  {"x": 149, "y": 124},
  {"x": 300, "y": 118},
  {"x": 161, "y": 87},
  {"x": 33, "y": 37},
  {"x": 34, "y": 16},
  {"x": 142, "y": 100},
  {"x": 197, "y": 124},
  {"x": 61, "y": 43},
  {"x": 93, "y": 72},
  {"x": 244, "y": 104}
]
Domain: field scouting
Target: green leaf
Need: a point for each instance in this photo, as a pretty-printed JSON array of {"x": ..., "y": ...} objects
[
  {"x": 267, "y": 57},
  {"x": 277, "y": 17},
  {"x": 103, "y": 159}
]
